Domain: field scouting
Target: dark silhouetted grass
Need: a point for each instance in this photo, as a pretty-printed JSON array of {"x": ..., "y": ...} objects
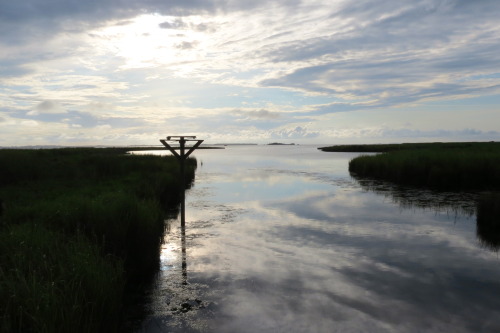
[
  {"x": 78, "y": 225},
  {"x": 53, "y": 283},
  {"x": 381, "y": 148},
  {"x": 488, "y": 220},
  {"x": 468, "y": 166}
]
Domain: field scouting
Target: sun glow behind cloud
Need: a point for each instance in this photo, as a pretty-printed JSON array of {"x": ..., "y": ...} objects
[{"x": 142, "y": 42}]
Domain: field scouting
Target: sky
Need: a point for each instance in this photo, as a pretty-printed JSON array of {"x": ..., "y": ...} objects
[{"x": 130, "y": 72}]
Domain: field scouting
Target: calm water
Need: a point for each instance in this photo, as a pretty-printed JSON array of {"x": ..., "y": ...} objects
[{"x": 283, "y": 239}]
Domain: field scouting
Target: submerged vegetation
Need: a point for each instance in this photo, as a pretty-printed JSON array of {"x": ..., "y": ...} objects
[{"x": 77, "y": 226}]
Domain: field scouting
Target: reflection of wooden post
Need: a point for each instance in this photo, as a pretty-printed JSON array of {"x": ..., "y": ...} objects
[
  {"x": 181, "y": 157},
  {"x": 183, "y": 243}
]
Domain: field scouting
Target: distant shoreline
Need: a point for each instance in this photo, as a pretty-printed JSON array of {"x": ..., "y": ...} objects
[{"x": 381, "y": 148}]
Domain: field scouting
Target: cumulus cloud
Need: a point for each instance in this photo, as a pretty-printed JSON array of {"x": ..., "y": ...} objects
[{"x": 297, "y": 132}]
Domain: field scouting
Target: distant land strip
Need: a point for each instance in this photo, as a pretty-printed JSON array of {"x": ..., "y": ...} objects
[{"x": 380, "y": 148}]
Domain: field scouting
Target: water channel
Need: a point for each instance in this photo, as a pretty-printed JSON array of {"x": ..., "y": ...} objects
[{"x": 284, "y": 239}]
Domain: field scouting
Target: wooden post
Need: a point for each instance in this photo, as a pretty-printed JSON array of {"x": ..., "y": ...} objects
[{"x": 181, "y": 157}]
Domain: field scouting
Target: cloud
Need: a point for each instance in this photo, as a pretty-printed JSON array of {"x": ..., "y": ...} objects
[
  {"x": 280, "y": 64},
  {"x": 59, "y": 12},
  {"x": 47, "y": 107},
  {"x": 31, "y": 19},
  {"x": 186, "y": 45},
  {"x": 258, "y": 114},
  {"x": 403, "y": 134},
  {"x": 29, "y": 123},
  {"x": 51, "y": 112},
  {"x": 394, "y": 54},
  {"x": 11, "y": 68},
  {"x": 440, "y": 133},
  {"x": 176, "y": 24},
  {"x": 297, "y": 132},
  {"x": 179, "y": 24}
]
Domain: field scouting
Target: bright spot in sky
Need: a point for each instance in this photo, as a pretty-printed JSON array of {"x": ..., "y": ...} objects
[{"x": 143, "y": 43}]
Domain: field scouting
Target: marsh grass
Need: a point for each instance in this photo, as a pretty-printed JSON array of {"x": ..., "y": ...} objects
[
  {"x": 444, "y": 167},
  {"x": 53, "y": 283},
  {"x": 77, "y": 226},
  {"x": 488, "y": 220}
]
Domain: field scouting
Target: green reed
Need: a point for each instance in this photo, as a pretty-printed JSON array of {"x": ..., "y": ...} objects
[
  {"x": 76, "y": 226},
  {"x": 488, "y": 220},
  {"x": 53, "y": 283},
  {"x": 473, "y": 166}
]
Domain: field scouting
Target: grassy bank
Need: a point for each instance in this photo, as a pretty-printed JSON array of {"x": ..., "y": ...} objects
[
  {"x": 488, "y": 220},
  {"x": 76, "y": 226},
  {"x": 462, "y": 166}
]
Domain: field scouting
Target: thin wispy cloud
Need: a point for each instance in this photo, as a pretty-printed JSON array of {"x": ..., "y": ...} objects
[{"x": 316, "y": 71}]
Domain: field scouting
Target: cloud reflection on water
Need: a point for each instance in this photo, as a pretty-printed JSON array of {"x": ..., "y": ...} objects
[{"x": 292, "y": 252}]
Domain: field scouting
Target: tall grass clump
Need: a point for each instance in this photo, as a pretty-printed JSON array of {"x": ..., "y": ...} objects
[
  {"x": 53, "y": 283},
  {"x": 488, "y": 220},
  {"x": 473, "y": 167},
  {"x": 77, "y": 226}
]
